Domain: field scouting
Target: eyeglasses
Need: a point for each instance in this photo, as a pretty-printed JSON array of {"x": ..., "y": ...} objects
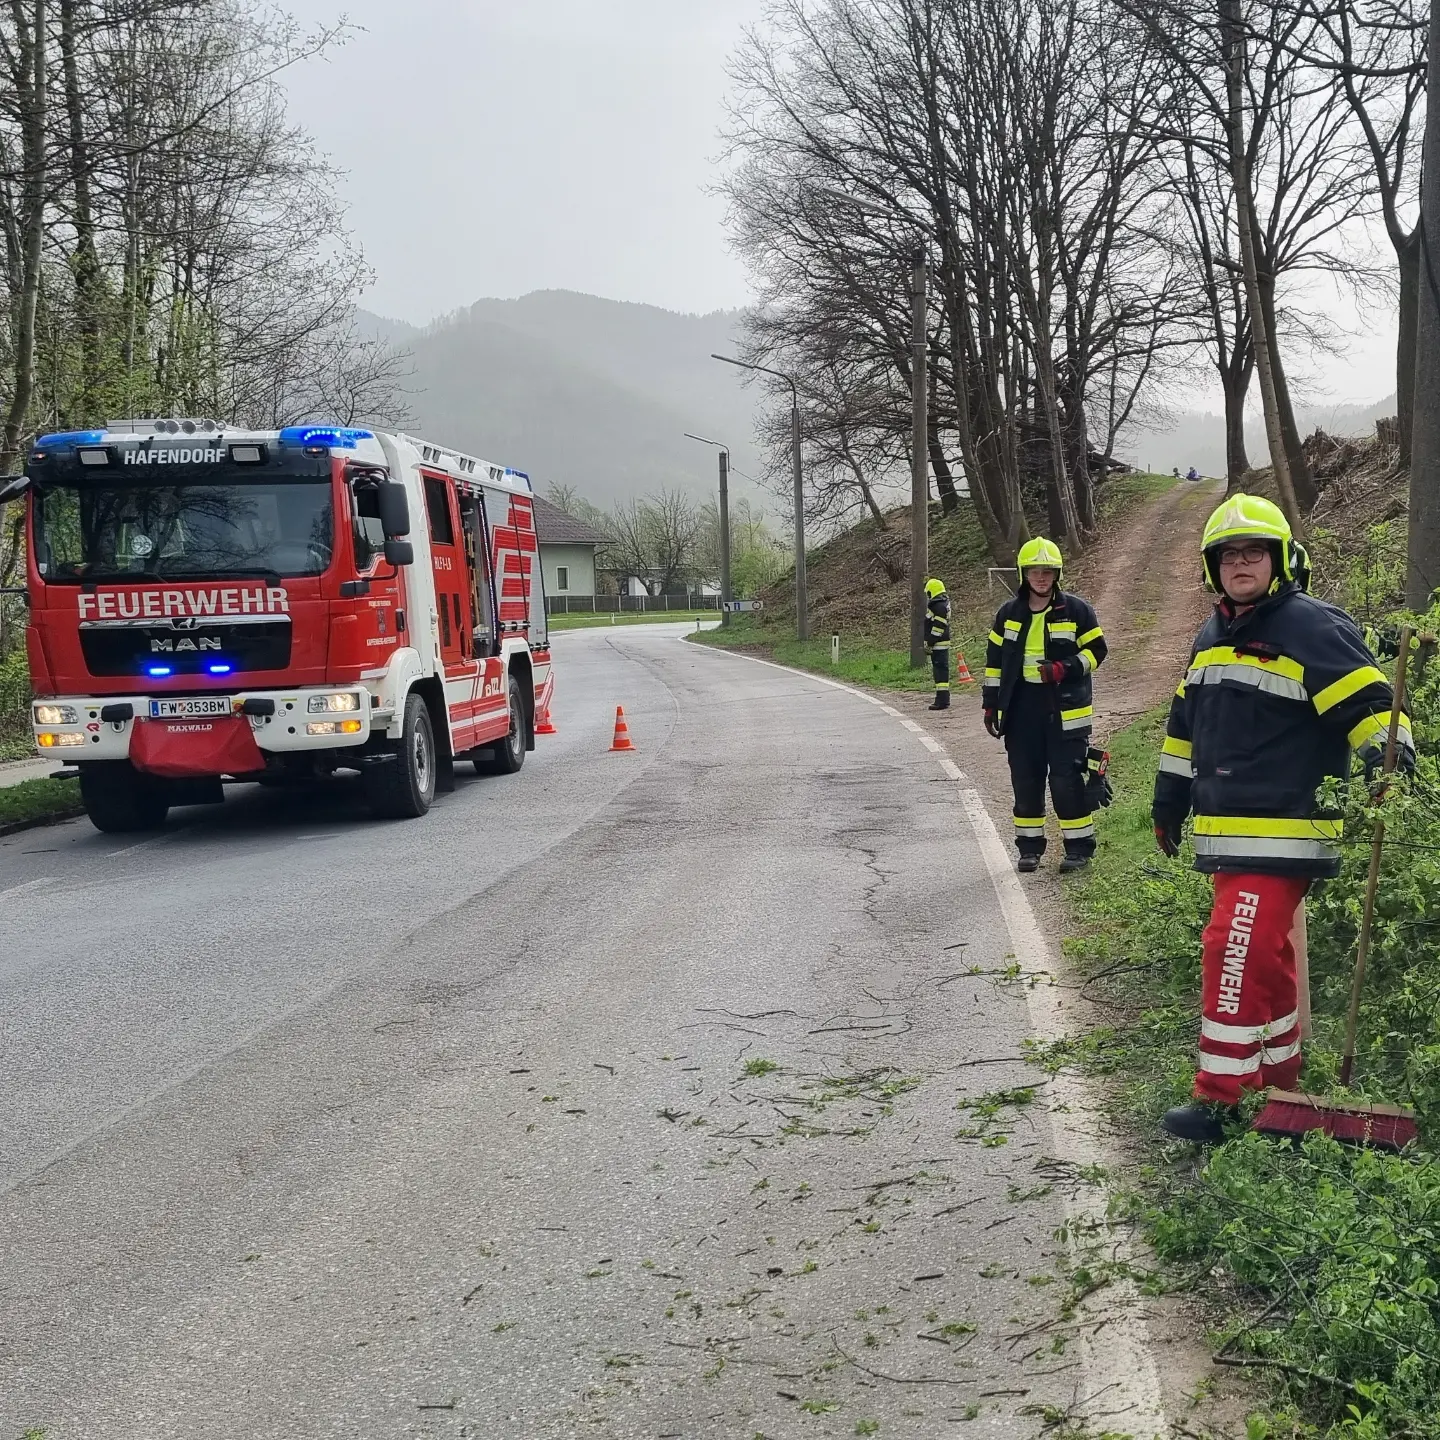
[{"x": 1249, "y": 554}]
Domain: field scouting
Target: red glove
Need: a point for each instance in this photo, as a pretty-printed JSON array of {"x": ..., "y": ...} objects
[
  {"x": 1052, "y": 672},
  {"x": 992, "y": 723},
  {"x": 1167, "y": 837}
]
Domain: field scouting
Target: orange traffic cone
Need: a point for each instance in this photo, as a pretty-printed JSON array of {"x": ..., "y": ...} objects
[
  {"x": 545, "y": 725},
  {"x": 962, "y": 672},
  {"x": 622, "y": 731}
]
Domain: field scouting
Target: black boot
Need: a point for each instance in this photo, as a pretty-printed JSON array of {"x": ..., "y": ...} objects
[
  {"x": 1073, "y": 862},
  {"x": 1202, "y": 1121},
  {"x": 941, "y": 701},
  {"x": 1029, "y": 863}
]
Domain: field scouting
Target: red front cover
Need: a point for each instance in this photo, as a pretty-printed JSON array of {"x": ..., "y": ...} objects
[{"x": 215, "y": 745}]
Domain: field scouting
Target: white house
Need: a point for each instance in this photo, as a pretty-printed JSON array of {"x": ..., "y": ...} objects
[{"x": 567, "y": 551}]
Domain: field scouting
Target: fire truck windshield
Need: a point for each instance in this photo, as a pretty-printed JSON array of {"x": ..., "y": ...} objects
[{"x": 154, "y": 527}]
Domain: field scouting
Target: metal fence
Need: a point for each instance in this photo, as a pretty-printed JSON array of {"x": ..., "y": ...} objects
[{"x": 601, "y": 604}]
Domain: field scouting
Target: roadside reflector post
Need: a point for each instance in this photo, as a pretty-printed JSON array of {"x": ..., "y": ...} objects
[{"x": 834, "y": 649}]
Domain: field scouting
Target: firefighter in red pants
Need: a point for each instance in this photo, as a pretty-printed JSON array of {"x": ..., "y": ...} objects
[{"x": 1280, "y": 691}]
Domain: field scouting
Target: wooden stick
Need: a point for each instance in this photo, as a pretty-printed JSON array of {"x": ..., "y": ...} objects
[{"x": 1367, "y": 918}]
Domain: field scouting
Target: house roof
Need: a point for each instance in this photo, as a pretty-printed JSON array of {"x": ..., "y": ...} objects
[{"x": 554, "y": 526}]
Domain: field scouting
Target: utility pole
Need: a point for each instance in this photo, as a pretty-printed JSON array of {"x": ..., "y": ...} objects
[
  {"x": 724, "y": 536},
  {"x": 919, "y": 458},
  {"x": 1422, "y": 571},
  {"x": 802, "y": 604},
  {"x": 725, "y": 591},
  {"x": 802, "y": 608}
]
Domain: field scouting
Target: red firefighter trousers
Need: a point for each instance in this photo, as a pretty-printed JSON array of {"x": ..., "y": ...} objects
[{"x": 1250, "y": 1021}]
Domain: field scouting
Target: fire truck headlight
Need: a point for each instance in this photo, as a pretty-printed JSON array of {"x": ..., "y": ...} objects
[
  {"x": 341, "y": 700},
  {"x": 49, "y": 739},
  {"x": 56, "y": 715}
]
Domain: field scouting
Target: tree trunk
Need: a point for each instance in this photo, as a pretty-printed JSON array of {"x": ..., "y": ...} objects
[
  {"x": 85, "y": 263},
  {"x": 1237, "y": 459},
  {"x": 1407, "y": 261},
  {"x": 1422, "y": 573},
  {"x": 1233, "y": 44},
  {"x": 1301, "y": 476},
  {"x": 944, "y": 479},
  {"x": 31, "y": 99}
]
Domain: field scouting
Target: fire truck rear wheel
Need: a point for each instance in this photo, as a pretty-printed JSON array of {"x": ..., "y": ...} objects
[
  {"x": 119, "y": 800},
  {"x": 405, "y": 788},
  {"x": 508, "y": 755}
]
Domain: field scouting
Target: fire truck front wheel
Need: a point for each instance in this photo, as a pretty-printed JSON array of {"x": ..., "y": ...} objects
[
  {"x": 404, "y": 788},
  {"x": 119, "y": 800}
]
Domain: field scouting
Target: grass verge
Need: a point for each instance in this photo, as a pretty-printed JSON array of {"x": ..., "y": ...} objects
[
  {"x": 42, "y": 799},
  {"x": 1320, "y": 1265},
  {"x": 578, "y": 620}
]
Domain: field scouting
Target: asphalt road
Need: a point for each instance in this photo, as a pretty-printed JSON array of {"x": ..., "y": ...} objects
[{"x": 617, "y": 1097}]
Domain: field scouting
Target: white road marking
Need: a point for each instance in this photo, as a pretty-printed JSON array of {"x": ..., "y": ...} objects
[
  {"x": 130, "y": 849},
  {"x": 1122, "y": 1382},
  {"x": 29, "y": 886}
]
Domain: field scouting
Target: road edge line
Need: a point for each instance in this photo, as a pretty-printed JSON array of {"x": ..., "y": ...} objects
[{"x": 1122, "y": 1378}]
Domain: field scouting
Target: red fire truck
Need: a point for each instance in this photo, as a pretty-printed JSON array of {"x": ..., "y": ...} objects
[{"x": 210, "y": 605}]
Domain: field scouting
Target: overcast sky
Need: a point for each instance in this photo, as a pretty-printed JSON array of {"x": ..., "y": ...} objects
[{"x": 496, "y": 148}]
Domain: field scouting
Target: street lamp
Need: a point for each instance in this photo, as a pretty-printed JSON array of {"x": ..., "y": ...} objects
[
  {"x": 919, "y": 419},
  {"x": 802, "y": 611},
  {"x": 724, "y": 522}
]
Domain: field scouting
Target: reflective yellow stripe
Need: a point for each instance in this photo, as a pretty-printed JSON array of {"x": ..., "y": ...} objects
[
  {"x": 1031, "y": 820},
  {"x": 1012, "y": 627},
  {"x": 1080, "y": 824},
  {"x": 1080, "y": 714},
  {"x": 992, "y": 672},
  {"x": 1375, "y": 730},
  {"x": 942, "y": 684},
  {"x": 1090, "y": 635},
  {"x": 1180, "y": 691},
  {"x": 1344, "y": 688},
  {"x": 1266, "y": 827},
  {"x": 1228, "y": 655},
  {"x": 1062, "y": 627},
  {"x": 1173, "y": 746},
  {"x": 996, "y": 639},
  {"x": 1088, "y": 656}
]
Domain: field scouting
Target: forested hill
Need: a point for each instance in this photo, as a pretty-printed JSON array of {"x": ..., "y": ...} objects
[{"x": 582, "y": 391}]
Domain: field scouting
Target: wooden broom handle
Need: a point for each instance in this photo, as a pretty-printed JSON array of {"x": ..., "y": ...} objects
[{"x": 1367, "y": 918}]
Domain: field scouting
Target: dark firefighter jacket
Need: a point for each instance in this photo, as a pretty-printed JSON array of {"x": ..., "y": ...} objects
[
  {"x": 1072, "y": 635},
  {"x": 1273, "y": 702},
  {"x": 937, "y": 623}
]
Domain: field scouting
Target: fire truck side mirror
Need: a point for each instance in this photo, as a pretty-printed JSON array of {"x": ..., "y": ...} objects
[
  {"x": 399, "y": 552},
  {"x": 394, "y": 511}
]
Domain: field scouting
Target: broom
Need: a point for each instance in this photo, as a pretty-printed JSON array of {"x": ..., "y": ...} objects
[{"x": 1291, "y": 1113}]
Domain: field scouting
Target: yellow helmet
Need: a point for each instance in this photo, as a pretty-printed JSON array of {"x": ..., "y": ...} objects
[
  {"x": 1252, "y": 517},
  {"x": 934, "y": 588},
  {"x": 1042, "y": 552}
]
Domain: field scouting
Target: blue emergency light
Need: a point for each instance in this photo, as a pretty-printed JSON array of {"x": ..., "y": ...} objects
[
  {"x": 66, "y": 438},
  {"x": 219, "y": 669},
  {"x": 158, "y": 670},
  {"x": 332, "y": 436}
]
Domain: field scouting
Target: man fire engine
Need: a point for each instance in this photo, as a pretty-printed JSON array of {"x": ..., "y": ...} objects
[{"x": 211, "y": 605}]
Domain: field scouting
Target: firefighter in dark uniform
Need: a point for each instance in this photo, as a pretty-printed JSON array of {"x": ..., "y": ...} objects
[
  {"x": 937, "y": 640},
  {"x": 1037, "y": 697},
  {"x": 1281, "y": 690}
]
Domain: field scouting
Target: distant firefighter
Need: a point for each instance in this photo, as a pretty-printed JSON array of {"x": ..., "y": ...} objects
[{"x": 937, "y": 640}]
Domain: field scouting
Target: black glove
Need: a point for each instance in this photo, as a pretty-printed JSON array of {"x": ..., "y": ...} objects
[
  {"x": 1167, "y": 832},
  {"x": 992, "y": 722}
]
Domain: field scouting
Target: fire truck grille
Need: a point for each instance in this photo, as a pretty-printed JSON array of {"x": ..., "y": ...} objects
[{"x": 111, "y": 649}]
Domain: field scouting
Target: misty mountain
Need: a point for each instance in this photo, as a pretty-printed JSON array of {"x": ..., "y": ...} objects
[
  {"x": 1199, "y": 439},
  {"x": 582, "y": 391}
]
